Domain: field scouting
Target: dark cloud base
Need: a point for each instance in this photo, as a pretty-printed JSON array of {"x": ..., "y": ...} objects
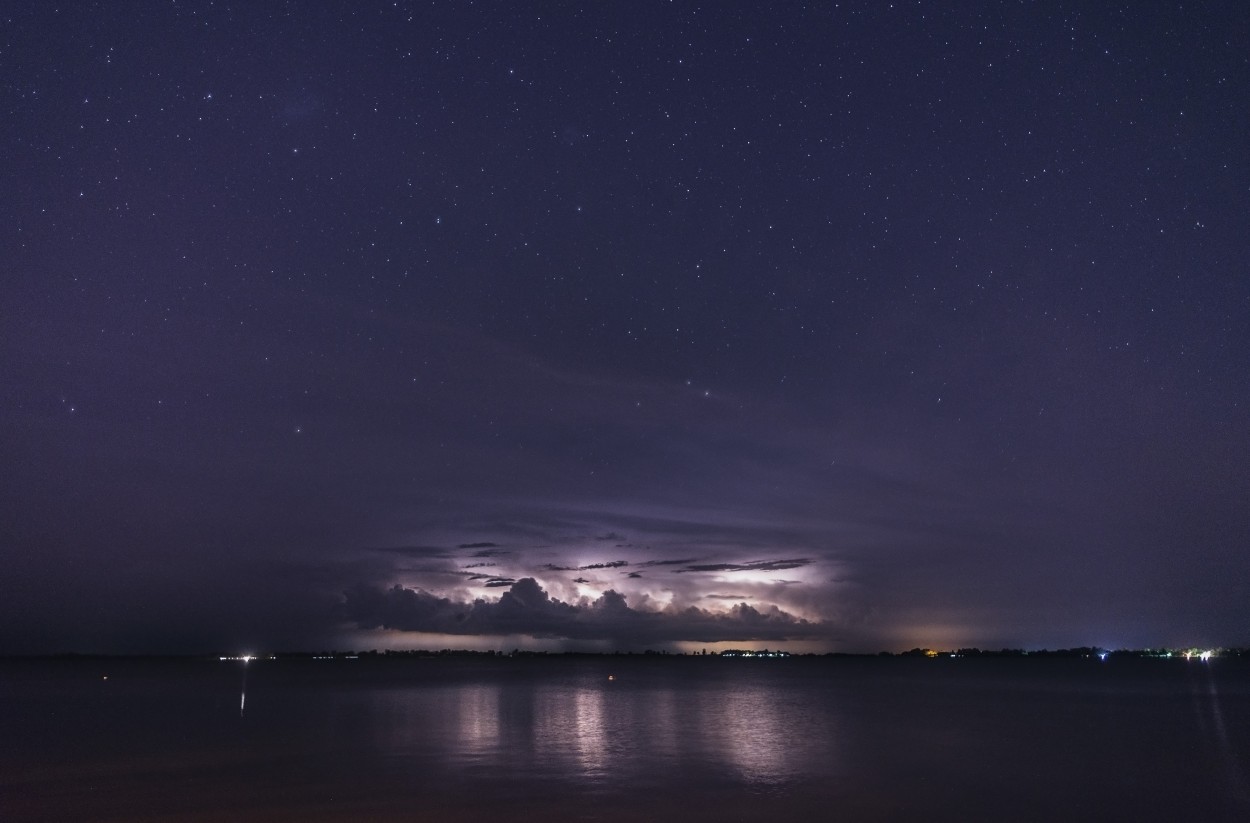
[
  {"x": 754, "y": 566},
  {"x": 526, "y": 609}
]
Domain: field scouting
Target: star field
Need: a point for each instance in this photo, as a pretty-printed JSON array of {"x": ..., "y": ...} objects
[{"x": 854, "y": 326}]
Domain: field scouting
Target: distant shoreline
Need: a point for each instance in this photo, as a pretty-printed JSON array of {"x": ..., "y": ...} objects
[{"x": 1084, "y": 652}]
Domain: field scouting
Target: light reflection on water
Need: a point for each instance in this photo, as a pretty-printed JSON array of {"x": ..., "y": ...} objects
[
  {"x": 590, "y": 733},
  {"x": 757, "y": 739},
  {"x": 703, "y": 740},
  {"x": 595, "y": 731},
  {"x": 478, "y": 716},
  {"x": 1207, "y": 703}
]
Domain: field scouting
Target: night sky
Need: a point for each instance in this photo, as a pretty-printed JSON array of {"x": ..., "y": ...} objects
[{"x": 820, "y": 326}]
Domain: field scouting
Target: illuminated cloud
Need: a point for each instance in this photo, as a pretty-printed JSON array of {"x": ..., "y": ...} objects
[{"x": 526, "y": 609}]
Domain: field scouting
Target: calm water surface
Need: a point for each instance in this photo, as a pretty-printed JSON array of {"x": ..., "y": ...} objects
[{"x": 666, "y": 738}]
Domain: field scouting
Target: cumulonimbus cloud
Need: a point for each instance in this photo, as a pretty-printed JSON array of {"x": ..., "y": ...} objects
[{"x": 528, "y": 610}]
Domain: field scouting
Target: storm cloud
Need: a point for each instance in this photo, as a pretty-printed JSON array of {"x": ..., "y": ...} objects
[
  {"x": 527, "y": 609},
  {"x": 614, "y": 564}
]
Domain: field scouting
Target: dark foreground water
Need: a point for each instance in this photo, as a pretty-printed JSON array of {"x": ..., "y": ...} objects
[{"x": 666, "y": 739}]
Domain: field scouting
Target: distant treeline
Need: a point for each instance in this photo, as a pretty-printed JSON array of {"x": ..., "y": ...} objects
[{"x": 1078, "y": 652}]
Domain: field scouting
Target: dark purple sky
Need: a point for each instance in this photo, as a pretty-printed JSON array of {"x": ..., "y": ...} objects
[{"x": 832, "y": 326}]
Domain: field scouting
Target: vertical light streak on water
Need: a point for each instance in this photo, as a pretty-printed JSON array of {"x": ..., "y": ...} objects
[
  {"x": 1228, "y": 757},
  {"x": 753, "y": 736},
  {"x": 243, "y": 693},
  {"x": 589, "y": 727},
  {"x": 478, "y": 720}
]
